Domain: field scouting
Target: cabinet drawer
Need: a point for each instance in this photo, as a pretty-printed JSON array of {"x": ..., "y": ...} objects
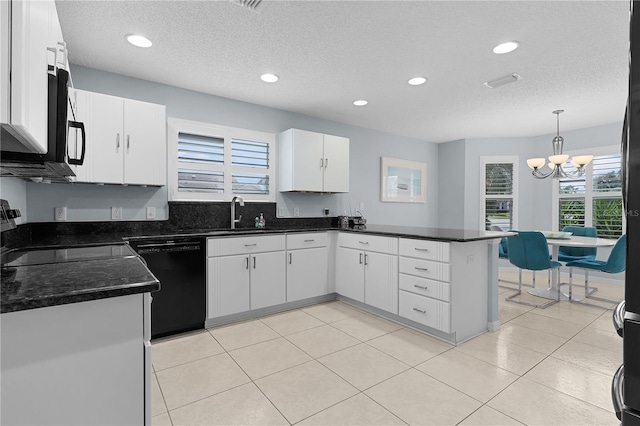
[
  {"x": 366, "y": 242},
  {"x": 241, "y": 245},
  {"x": 425, "y": 268},
  {"x": 424, "y": 249},
  {"x": 306, "y": 240},
  {"x": 430, "y": 312},
  {"x": 425, "y": 287}
]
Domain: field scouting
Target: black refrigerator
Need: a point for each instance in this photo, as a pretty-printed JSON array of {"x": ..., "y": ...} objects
[{"x": 626, "y": 382}]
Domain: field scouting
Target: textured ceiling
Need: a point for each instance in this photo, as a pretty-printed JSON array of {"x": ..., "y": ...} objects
[{"x": 573, "y": 55}]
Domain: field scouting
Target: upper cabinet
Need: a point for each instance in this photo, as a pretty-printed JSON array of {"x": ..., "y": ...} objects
[
  {"x": 30, "y": 45},
  {"x": 126, "y": 140},
  {"x": 313, "y": 162}
]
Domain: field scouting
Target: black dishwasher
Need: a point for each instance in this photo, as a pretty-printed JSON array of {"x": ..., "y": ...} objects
[{"x": 180, "y": 266}]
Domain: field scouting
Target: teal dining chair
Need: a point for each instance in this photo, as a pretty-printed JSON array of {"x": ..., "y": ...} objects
[
  {"x": 529, "y": 250},
  {"x": 614, "y": 264},
  {"x": 569, "y": 254}
]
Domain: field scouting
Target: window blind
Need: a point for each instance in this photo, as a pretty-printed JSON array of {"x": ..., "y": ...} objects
[
  {"x": 200, "y": 149},
  {"x": 190, "y": 180},
  {"x": 249, "y": 154}
]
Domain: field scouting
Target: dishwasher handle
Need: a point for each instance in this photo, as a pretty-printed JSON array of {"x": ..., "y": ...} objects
[{"x": 169, "y": 246}]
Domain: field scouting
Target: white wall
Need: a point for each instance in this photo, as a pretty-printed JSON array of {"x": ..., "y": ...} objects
[{"x": 93, "y": 203}]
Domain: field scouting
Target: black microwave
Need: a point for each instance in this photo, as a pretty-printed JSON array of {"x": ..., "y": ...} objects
[{"x": 66, "y": 139}]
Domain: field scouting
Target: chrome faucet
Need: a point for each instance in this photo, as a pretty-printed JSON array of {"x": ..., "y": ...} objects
[{"x": 233, "y": 211}]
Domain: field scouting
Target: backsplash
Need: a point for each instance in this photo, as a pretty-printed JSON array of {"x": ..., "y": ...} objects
[{"x": 183, "y": 216}]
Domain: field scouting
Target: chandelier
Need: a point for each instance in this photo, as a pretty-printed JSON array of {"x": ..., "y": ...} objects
[{"x": 558, "y": 159}]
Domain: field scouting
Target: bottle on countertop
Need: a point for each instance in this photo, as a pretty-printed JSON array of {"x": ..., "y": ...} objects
[
  {"x": 257, "y": 225},
  {"x": 262, "y": 222}
]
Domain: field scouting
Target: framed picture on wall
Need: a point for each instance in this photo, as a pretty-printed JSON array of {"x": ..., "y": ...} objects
[{"x": 403, "y": 181}]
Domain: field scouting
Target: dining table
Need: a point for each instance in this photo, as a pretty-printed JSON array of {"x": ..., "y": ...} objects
[{"x": 554, "y": 290}]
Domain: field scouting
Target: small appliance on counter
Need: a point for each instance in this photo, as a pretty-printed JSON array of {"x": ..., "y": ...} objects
[
  {"x": 357, "y": 222},
  {"x": 7, "y": 216}
]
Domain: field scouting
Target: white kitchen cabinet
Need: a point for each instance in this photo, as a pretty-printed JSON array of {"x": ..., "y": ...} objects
[
  {"x": 78, "y": 364},
  {"x": 126, "y": 140},
  {"x": 443, "y": 286},
  {"x": 367, "y": 270},
  {"x": 313, "y": 162},
  {"x": 268, "y": 279},
  {"x": 307, "y": 265},
  {"x": 245, "y": 273},
  {"x": 228, "y": 284},
  {"x": 30, "y": 32}
]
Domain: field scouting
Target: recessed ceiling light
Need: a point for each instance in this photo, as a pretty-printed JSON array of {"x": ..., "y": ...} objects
[
  {"x": 417, "y": 81},
  {"x": 138, "y": 40},
  {"x": 507, "y": 47},
  {"x": 269, "y": 78},
  {"x": 360, "y": 102}
]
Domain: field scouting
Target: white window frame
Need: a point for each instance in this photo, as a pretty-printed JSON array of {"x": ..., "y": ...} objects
[
  {"x": 588, "y": 189},
  {"x": 175, "y": 126},
  {"x": 510, "y": 159}
]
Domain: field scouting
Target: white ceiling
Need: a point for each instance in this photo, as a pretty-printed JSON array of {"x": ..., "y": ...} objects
[{"x": 573, "y": 55}]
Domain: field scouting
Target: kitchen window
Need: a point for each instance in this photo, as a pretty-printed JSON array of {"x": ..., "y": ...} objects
[
  {"x": 595, "y": 199},
  {"x": 213, "y": 163},
  {"x": 499, "y": 193}
]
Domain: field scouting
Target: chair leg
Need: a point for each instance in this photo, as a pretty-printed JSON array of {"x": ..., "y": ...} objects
[
  {"x": 510, "y": 282},
  {"x": 570, "y": 284},
  {"x": 524, "y": 302},
  {"x": 589, "y": 291}
]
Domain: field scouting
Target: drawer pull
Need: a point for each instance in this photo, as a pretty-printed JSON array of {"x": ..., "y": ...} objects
[
  {"x": 421, "y": 249},
  {"x": 421, "y": 287},
  {"x": 309, "y": 241},
  {"x": 250, "y": 245},
  {"x": 364, "y": 242},
  {"x": 422, "y": 269},
  {"x": 419, "y": 310}
]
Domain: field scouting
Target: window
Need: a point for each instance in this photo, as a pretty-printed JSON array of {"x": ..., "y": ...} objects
[
  {"x": 498, "y": 200},
  {"x": 214, "y": 163},
  {"x": 595, "y": 199}
]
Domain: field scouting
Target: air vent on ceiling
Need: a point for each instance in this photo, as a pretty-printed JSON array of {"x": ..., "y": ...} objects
[
  {"x": 511, "y": 78},
  {"x": 254, "y": 5}
]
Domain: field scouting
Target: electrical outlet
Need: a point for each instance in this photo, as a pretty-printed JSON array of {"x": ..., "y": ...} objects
[
  {"x": 60, "y": 214},
  {"x": 325, "y": 212},
  {"x": 280, "y": 211},
  {"x": 116, "y": 213},
  {"x": 361, "y": 208},
  {"x": 296, "y": 211},
  {"x": 151, "y": 212}
]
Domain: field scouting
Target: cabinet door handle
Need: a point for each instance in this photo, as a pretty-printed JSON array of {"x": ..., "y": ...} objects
[
  {"x": 366, "y": 259},
  {"x": 128, "y": 141},
  {"x": 289, "y": 258},
  {"x": 421, "y": 249},
  {"x": 421, "y": 287},
  {"x": 309, "y": 241},
  {"x": 254, "y": 263},
  {"x": 419, "y": 310},
  {"x": 247, "y": 259},
  {"x": 364, "y": 242},
  {"x": 117, "y": 140},
  {"x": 326, "y": 162},
  {"x": 250, "y": 245},
  {"x": 321, "y": 163},
  {"x": 361, "y": 258}
]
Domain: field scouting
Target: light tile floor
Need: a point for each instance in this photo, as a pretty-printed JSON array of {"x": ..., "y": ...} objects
[{"x": 332, "y": 364}]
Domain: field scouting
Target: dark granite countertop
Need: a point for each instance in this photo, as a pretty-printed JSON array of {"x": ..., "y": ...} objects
[
  {"x": 437, "y": 234},
  {"x": 49, "y": 284},
  {"x": 35, "y": 286}
]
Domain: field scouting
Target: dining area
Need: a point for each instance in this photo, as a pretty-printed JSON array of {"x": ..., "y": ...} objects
[{"x": 563, "y": 261}]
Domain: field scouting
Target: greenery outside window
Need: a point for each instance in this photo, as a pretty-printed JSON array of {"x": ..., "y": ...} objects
[
  {"x": 213, "y": 163},
  {"x": 595, "y": 199},
  {"x": 498, "y": 203}
]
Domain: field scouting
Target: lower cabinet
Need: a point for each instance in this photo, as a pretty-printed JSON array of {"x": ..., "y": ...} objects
[
  {"x": 307, "y": 265},
  {"x": 78, "y": 364},
  {"x": 367, "y": 270},
  {"x": 245, "y": 273}
]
